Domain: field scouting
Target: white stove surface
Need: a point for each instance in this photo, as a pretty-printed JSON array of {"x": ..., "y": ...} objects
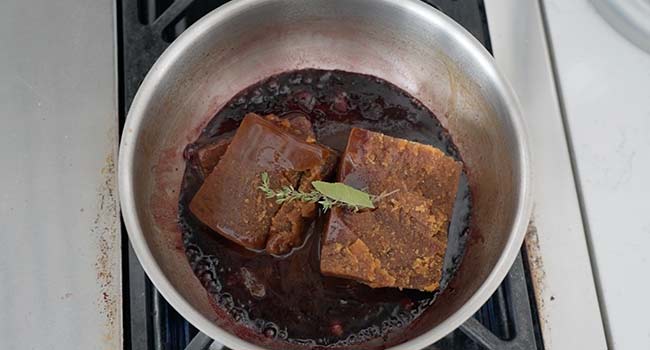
[
  {"x": 605, "y": 88},
  {"x": 60, "y": 275},
  {"x": 556, "y": 244}
]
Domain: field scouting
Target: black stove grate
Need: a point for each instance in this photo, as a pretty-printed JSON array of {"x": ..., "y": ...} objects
[{"x": 146, "y": 28}]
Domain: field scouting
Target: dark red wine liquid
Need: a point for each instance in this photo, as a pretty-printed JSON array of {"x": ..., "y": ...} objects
[{"x": 286, "y": 297}]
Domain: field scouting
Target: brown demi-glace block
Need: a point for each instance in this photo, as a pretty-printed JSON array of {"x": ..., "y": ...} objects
[
  {"x": 209, "y": 155},
  {"x": 229, "y": 200},
  {"x": 402, "y": 242}
]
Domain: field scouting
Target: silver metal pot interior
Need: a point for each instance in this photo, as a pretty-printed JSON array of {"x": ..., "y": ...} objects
[{"x": 405, "y": 42}]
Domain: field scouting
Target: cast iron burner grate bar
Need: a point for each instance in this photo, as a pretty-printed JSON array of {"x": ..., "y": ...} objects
[{"x": 147, "y": 27}]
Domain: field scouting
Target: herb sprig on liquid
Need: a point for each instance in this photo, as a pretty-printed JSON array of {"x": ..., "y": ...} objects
[{"x": 327, "y": 194}]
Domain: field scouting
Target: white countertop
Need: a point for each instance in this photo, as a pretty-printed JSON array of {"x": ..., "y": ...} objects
[{"x": 605, "y": 89}]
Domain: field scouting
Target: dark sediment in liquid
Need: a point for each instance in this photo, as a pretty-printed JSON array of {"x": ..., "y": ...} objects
[{"x": 287, "y": 298}]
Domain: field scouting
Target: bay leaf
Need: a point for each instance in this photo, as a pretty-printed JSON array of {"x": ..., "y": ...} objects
[{"x": 343, "y": 193}]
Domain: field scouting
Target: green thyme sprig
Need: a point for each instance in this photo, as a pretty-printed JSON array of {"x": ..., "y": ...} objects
[
  {"x": 327, "y": 194},
  {"x": 287, "y": 193}
]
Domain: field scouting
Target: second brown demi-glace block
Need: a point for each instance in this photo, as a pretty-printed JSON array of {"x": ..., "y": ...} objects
[{"x": 402, "y": 242}]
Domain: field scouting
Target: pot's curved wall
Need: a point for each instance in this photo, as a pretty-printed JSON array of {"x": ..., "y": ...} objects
[{"x": 416, "y": 50}]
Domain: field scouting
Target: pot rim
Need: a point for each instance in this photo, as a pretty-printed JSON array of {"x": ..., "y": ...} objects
[{"x": 169, "y": 57}]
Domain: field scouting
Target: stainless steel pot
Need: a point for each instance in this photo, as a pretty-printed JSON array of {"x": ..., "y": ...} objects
[{"x": 403, "y": 41}]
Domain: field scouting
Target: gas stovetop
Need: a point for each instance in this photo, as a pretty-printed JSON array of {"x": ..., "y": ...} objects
[
  {"x": 66, "y": 268},
  {"x": 506, "y": 321}
]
